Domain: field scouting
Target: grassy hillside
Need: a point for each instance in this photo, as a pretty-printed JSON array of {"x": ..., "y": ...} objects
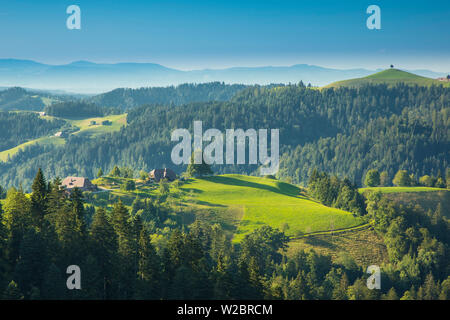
[
  {"x": 390, "y": 77},
  {"x": 258, "y": 201},
  {"x": 92, "y": 130},
  {"x": 243, "y": 203}
]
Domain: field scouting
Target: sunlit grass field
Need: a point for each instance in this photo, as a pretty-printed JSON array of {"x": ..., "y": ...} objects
[
  {"x": 92, "y": 130},
  {"x": 270, "y": 202}
]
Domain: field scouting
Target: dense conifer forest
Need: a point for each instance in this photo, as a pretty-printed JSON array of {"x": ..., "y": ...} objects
[
  {"x": 17, "y": 128},
  {"x": 342, "y": 131}
]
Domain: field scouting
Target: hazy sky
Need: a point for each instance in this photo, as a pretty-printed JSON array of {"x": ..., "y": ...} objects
[{"x": 218, "y": 34}]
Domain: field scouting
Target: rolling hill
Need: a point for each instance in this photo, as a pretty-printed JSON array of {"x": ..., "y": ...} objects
[
  {"x": 253, "y": 202},
  {"x": 390, "y": 77},
  {"x": 87, "y": 127}
]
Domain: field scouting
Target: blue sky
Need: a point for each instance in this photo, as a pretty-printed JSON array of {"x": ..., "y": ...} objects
[{"x": 218, "y": 34}]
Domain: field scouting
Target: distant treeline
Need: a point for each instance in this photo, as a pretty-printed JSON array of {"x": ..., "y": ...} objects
[
  {"x": 77, "y": 110},
  {"x": 125, "y": 98},
  {"x": 20, "y": 99}
]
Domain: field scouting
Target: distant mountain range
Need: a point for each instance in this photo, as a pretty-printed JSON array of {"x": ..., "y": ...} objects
[{"x": 89, "y": 77}]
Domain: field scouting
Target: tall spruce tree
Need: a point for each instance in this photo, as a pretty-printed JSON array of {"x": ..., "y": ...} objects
[
  {"x": 149, "y": 268},
  {"x": 77, "y": 206},
  {"x": 56, "y": 197},
  {"x": 31, "y": 266},
  {"x": 17, "y": 215},
  {"x": 198, "y": 170},
  {"x": 104, "y": 249},
  {"x": 3, "y": 249},
  {"x": 39, "y": 198},
  {"x": 126, "y": 249}
]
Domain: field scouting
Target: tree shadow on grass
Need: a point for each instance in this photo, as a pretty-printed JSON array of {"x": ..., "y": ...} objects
[
  {"x": 283, "y": 188},
  {"x": 206, "y": 203}
]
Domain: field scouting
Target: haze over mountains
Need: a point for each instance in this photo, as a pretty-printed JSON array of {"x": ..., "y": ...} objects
[{"x": 89, "y": 77}]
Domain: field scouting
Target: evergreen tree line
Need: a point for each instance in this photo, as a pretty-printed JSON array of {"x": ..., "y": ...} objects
[
  {"x": 334, "y": 192},
  {"x": 121, "y": 258},
  {"x": 404, "y": 179},
  {"x": 78, "y": 109},
  {"x": 125, "y": 98}
]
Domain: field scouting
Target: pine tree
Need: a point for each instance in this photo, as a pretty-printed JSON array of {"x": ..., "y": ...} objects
[
  {"x": 17, "y": 216},
  {"x": 431, "y": 288},
  {"x": 77, "y": 206},
  {"x": 198, "y": 170},
  {"x": 70, "y": 235},
  {"x": 100, "y": 173},
  {"x": 56, "y": 198},
  {"x": 53, "y": 287},
  {"x": 115, "y": 172},
  {"x": 3, "y": 248},
  {"x": 391, "y": 295},
  {"x": 39, "y": 199},
  {"x": 149, "y": 266},
  {"x": 12, "y": 292},
  {"x": 104, "y": 248},
  {"x": 445, "y": 289},
  {"x": 126, "y": 250},
  {"x": 31, "y": 265},
  {"x": 175, "y": 248},
  {"x": 409, "y": 294}
]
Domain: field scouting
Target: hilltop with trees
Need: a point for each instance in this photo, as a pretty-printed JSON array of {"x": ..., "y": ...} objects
[{"x": 343, "y": 131}]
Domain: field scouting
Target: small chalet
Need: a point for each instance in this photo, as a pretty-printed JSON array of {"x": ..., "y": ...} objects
[
  {"x": 84, "y": 184},
  {"x": 166, "y": 173}
]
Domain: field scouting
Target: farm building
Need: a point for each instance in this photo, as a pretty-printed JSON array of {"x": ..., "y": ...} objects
[
  {"x": 84, "y": 184},
  {"x": 166, "y": 173}
]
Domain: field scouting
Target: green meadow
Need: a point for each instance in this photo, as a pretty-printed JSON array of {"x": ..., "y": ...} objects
[
  {"x": 259, "y": 201},
  {"x": 92, "y": 130},
  {"x": 389, "y": 77}
]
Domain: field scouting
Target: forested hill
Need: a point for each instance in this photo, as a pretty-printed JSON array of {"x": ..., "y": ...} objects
[
  {"x": 390, "y": 77},
  {"x": 16, "y": 98},
  {"x": 20, "y": 99},
  {"x": 344, "y": 131},
  {"x": 126, "y": 98},
  {"x": 16, "y": 128}
]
